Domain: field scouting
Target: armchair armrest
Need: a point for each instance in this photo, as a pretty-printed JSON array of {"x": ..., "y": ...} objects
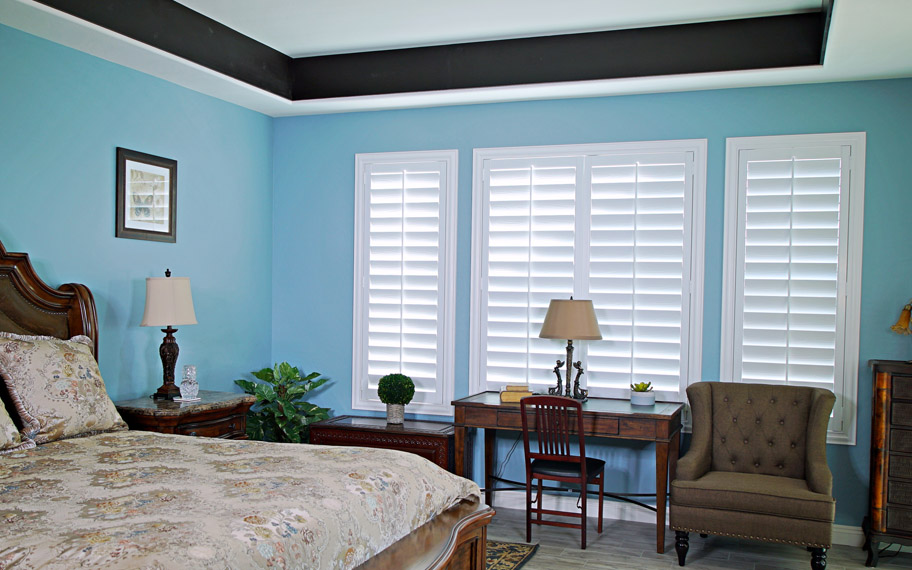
[
  {"x": 698, "y": 459},
  {"x": 817, "y": 472}
]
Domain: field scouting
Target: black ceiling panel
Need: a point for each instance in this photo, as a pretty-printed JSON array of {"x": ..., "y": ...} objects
[{"x": 752, "y": 43}]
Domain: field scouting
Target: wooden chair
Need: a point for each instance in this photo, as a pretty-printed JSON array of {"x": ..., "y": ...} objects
[{"x": 551, "y": 420}]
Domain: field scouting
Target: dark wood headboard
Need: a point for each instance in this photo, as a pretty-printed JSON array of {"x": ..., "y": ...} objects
[{"x": 29, "y": 306}]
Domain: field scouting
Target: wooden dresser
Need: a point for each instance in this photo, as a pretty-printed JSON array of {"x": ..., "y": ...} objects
[
  {"x": 890, "y": 510},
  {"x": 431, "y": 440}
]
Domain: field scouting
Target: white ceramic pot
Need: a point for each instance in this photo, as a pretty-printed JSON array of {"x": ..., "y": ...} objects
[
  {"x": 394, "y": 413},
  {"x": 642, "y": 398}
]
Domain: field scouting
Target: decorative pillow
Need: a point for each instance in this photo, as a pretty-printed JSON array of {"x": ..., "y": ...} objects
[
  {"x": 9, "y": 435},
  {"x": 56, "y": 387}
]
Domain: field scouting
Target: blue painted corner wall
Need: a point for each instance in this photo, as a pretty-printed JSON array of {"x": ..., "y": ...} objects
[
  {"x": 314, "y": 213},
  {"x": 266, "y": 213},
  {"x": 62, "y": 115}
]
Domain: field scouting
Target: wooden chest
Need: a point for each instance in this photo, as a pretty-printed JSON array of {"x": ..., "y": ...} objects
[
  {"x": 890, "y": 511},
  {"x": 431, "y": 440}
]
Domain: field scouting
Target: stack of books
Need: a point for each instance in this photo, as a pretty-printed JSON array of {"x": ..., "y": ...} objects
[{"x": 513, "y": 393}]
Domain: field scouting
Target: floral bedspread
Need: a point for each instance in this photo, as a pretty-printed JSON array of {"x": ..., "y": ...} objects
[{"x": 145, "y": 500}]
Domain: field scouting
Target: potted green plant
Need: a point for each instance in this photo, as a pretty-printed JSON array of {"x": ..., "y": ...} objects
[
  {"x": 395, "y": 390},
  {"x": 279, "y": 413},
  {"x": 641, "y": 394}
]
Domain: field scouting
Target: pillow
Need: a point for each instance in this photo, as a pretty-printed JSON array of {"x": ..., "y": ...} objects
[
  {"x": 9, "y": 435},
  {"x": 56, "y": 387}
]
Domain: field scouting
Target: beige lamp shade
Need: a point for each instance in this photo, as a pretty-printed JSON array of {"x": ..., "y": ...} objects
[
  {"x": 168, "y": 302},
  {"x": 570, "y": 319}
]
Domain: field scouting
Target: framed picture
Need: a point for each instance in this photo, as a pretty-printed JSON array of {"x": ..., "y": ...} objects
[{"x": 146, "y": 196}]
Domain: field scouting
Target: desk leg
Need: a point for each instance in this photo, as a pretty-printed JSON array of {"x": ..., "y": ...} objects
[
  {"x": 666, "y": 471},
  {"x": 489, "y": 441},
  {"x": 460, "y": 452},
  {"x": 674, "y": 451},
  {"x": 661, "y": 492}
]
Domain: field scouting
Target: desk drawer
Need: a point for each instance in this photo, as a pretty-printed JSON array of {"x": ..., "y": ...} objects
[
  {"x": 599, "y": 425},
  {"x": 638, "y": 428}
]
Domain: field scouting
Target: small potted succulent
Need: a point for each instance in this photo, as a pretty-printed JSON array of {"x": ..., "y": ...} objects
[
  {"x": 395, "y": 390},
  {"x": 641, "y": 394}
]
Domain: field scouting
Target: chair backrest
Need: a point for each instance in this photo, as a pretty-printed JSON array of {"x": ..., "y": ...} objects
[
  {"x": 761, "y": 428},
  {"x": 553, "y": 420}
]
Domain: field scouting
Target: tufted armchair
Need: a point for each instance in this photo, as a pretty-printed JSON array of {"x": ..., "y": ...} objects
[{"x": 756, "y": 467}]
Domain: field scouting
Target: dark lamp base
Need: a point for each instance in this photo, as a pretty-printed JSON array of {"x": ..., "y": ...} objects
[{"x": 168, "y": 352}]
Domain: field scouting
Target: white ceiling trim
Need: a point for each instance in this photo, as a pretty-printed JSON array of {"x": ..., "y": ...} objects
[{"x": 888, "y": 35}]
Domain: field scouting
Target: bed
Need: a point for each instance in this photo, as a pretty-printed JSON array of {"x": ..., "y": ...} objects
[{"x": 99, "y": 495}]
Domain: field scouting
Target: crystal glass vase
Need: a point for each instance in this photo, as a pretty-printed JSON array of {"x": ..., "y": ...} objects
[{"x": 189, "y": 388}]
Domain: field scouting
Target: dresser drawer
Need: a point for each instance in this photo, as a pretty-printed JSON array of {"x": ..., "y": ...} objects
[
  {"x": 230, "y": 426},
  {"x": 901, "y": 413},
  {"x": 899, "y": 493},
  {"x": 902, "y": 387},
  {"x": 901, "y": 466},
  {"x": 899, "y": 520},
  {"x": 901, "y": 440}
]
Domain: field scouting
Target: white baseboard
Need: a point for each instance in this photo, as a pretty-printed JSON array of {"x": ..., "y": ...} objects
[{"x": 618, "y": 510}]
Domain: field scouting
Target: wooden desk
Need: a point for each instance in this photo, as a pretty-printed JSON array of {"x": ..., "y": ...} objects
[{"x": 602, "y": 417}]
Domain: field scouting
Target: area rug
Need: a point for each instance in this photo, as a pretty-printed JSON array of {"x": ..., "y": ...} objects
[{"x": 508, "y": 555}]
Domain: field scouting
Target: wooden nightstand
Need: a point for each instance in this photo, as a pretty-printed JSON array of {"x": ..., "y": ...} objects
[
  {"x": 217, "y": 414},
  {"x": 432, "y": 440}
]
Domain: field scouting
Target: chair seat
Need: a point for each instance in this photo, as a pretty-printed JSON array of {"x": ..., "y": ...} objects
[
  {"x": 754, "y": 493},
  {"x": 550, "y": 468}
]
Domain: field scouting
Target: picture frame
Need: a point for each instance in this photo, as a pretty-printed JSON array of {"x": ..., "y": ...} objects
[{"x": 146, "y": 199}]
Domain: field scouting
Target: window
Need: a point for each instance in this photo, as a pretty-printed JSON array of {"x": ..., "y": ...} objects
[
  {"x": 792, "y": 274},
  {"x": 620, "y": 224},
  {"x": 405, "y": 254}
]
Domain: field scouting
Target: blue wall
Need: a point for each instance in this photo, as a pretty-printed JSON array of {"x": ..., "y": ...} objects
[
  {"x": 62, "y": 114},
  {"x": 314, "y": 213}
]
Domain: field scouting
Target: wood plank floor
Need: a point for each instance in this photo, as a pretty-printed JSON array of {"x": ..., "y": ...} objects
[{"x": 631, "y": 546}]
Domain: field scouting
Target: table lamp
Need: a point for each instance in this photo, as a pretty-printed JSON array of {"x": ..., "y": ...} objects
[
  {"x": 168, "y": 303},
  {"x": 570, "y": 319}
]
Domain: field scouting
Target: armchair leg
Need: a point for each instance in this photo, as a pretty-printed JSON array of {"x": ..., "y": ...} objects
[
  {"x": 682, "y": 545},
  {"x": 818, "y": 558}
]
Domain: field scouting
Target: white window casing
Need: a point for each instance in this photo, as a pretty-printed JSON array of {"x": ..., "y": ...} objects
[
  {"x": 404, "y": 288},
  {"x": 794, "y": 212},
  {"x": 621, "y": 224}
]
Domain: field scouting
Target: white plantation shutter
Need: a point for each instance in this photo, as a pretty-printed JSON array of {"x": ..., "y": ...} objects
[
  {"x": 788, "y": 283},
  {"x": 403, "y": 276},
  {"x": 639, "y": 270},
  {"x": 611, "y": 223},
  {"x": 530, "y": 260}
]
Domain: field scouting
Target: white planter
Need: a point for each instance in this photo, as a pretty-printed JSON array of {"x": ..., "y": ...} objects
[
  {"x": 394, "y": 413},
  {"x": 642, "y": 398}
]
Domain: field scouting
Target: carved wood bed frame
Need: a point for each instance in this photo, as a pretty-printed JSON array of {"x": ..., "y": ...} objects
[{"x": 454, "y": 540}]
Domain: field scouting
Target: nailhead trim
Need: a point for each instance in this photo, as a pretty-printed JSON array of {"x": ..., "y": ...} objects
[{"x": 735, "y": 535}]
